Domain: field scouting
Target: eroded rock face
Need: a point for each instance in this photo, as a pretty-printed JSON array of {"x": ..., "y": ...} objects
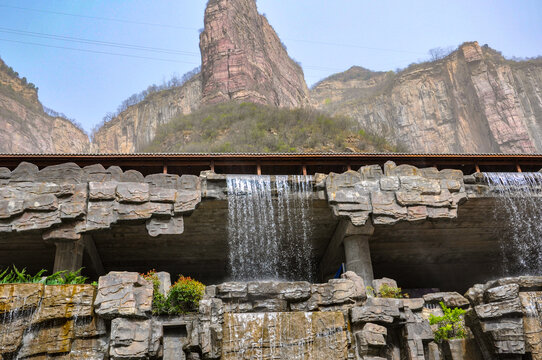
[
  {"x": 136, "y": 127},
  {"x": 48, "y": 320},
  {"x": 507, "y": 316},
  {"x": 503, "y": 322},
  {"x": 123, "y": 294},
  {"x": 64, "y": 201},
  {"x": 395, "y": 193},
  {"x": 317, "y": 335},
  {"x": 445, "y": 106},
  {"x": 25, "y": 126},
  {"x": 244, "y": 60}
]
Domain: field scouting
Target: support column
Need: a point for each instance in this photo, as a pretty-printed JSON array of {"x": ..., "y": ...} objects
[
  {"x": 350, "y": 244},
  {"x": 358, "y": 256},
  {"x": 68, "y": 255}
]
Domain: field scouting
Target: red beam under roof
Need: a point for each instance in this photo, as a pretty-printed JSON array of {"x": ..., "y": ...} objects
[{"x": 280, "y": 163}]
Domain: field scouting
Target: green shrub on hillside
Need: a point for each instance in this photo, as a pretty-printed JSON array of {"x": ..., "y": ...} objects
[{"x": 249, "y": 127}]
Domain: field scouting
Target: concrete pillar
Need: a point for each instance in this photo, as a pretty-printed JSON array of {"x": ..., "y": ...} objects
[
  {"x": 358, "y": 257},
  {"x": 68, "y": 255},
  {"x": 358, "y": 254}
]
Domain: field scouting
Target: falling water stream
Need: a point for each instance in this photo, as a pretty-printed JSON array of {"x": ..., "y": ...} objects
[
  {"x": 519, "y": 206},
  {"x": 269, "y": 232}
]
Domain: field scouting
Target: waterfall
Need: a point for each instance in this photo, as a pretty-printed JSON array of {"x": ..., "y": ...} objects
[
  {"x": 519, "y": 206},
  {"x": 269, "y": 232}
]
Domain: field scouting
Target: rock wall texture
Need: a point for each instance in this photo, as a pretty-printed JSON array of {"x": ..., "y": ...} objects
[
  {"x": 25, "y": 128},
  {"x": 64, "y": 201},
  {"x": 243, "y": 58},
  {"x": 136, "y": 127},
  {"x": 393, "y": 194},
  {"x": 471, "y": 101},
  {"x": 263, "y": 319}
]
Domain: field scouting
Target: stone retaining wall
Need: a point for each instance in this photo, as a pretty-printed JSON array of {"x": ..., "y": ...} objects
[{"x": 335, "y": 320}]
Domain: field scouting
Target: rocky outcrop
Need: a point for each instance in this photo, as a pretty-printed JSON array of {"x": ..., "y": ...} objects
[
  {"x": 135, "y": 127},
  {"x": 471, "y": 101},
  {"x": 37, "y": 321},
  {"x": 397, "y": 193},
  {"x": 26, "y": 128},
  {"x": 65, "y": 201},
  {"x": 243, "y": 58}
]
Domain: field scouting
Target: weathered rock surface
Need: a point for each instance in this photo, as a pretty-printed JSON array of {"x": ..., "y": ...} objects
[
  {"x": 123, "y": 294},
  {"x": 135, "y": 127},
  {"x": 397, "y": 193},
  {"x": 317, "y": 335},
  {"x": 59, "y": 322},
  {"x": 26, "y": 128},
  {"x": 64, "y": 201},
  {"x": 446, "y": 106},
  {"x": 243, "y": 58}
]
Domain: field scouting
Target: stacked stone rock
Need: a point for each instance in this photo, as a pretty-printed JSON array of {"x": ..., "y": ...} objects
[
  {"x": 335, "y": 320},
  {"x": 65, "y": 201},
  {"x": 394, "y": 194},
  {"x": 507, "y": 317}
]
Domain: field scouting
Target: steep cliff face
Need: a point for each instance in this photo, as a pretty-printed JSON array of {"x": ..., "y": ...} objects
[
  {"x": 244, "y": 60},
  {"x": 24, "y": 126},
  {"x": 471, "y": 101},
  {"x": 135, "y": 128}
]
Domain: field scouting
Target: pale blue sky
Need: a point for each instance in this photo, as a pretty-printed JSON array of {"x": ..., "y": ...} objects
[{"x": 326, "y": 36}]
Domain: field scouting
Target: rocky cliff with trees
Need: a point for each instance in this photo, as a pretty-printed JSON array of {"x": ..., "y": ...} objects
[{"x": 27, "y": 126}]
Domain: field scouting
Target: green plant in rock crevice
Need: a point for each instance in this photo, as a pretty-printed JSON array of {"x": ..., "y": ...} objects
[
  {"x": 183, "y": 296},
  {"x": 450, "y": 325}
]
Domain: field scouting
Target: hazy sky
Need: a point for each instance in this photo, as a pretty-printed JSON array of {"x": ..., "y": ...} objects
[{"x": 159, "y": 38}]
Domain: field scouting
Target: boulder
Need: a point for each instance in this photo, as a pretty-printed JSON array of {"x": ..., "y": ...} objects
[
  {"x": 5, "y": 173},
  {"x": 65, "y": 302},
  {"x": 378, "y": 283},
  {"x": 498, "y": 309},
  {"x": 371, "y": 340},
  {"x": 134, "y": 339},
  {"x": 501, "y": 293},
  {"x": 359, "y": 285},
  {"x": 377, "y": 310},
  {"x": 450, "y": 299},
  {"x": 62, "y": 173},
  {"x": 123, "y": 294},
  {"x": 133, "y": 176},
  {"x": 232, "y": 290},
  {"x": 24, "y": 172},
  {"x": 132, "y": 192},
  {"x": 105, "y": 190},
  {"x": 167, "y": 226}
]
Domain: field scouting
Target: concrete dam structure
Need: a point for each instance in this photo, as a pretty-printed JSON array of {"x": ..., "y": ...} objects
[{"x": 296, "y": 254}]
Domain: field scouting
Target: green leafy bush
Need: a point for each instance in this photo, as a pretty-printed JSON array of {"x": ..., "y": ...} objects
[
  {"x": 16, "y": 276},
  {"x": 387, "y": 291},
  {"x": 450, "y": 325},
  {"x": 159, "y": 301},
  {"x": 183, "y": 296}
]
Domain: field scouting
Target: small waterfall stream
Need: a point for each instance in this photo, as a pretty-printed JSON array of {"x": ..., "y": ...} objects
[
  {"x": 519, "y": 205},
  {"x": 269, "y": 232}
]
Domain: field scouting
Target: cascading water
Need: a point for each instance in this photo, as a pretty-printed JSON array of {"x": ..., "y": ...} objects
[
  {"x": 269, "y": 233},
  {"x": 519, "y": 206}
]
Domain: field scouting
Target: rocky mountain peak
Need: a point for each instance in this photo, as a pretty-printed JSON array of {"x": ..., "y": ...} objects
[{"x": 243, "y": 59}]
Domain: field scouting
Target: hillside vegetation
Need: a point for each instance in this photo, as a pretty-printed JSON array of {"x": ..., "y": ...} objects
[{"x": 248, "y": 127}]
